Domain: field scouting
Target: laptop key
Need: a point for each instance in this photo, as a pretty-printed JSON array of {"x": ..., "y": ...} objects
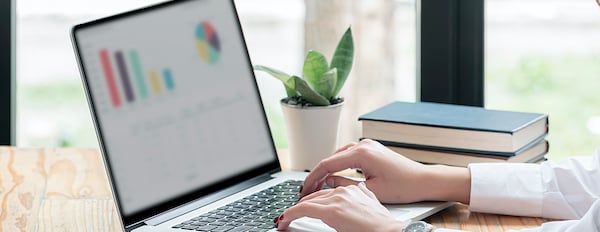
[
  {"x": 223, "y": 229},
  {"x": 252, "y": 224},
  {"x": 252, "y": 213},
  {"x": 205, "y": 228},
  {"x": 267, "y": 225},
  {"x": 187, "y": 227},
  {"x": 240, "y": 229},
  {"x": 219, "y": 223}
]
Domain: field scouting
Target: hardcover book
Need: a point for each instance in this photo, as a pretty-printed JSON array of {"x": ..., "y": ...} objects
[
  {"x": 533, "y": 154},
  {"x": 468, "y": 128}
]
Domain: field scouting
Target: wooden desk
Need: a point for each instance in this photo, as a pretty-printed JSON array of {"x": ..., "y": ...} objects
[{"x": 66, "y": 189}]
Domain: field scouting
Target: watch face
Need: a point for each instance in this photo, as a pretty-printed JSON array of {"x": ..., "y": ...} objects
[{"x": 416, "y": 227}]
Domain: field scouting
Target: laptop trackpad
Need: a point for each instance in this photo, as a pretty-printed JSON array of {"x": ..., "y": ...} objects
[
  {"x": 397, "y": 212},
  {"x": 307, "y": 224}
]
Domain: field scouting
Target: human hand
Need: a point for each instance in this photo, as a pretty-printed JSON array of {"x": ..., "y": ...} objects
[
  {"x": 392, "y": 177},
  {"x": 350, "y": 208}
]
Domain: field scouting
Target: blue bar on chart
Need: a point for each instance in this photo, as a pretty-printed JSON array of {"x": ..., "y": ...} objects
[
  {"x": 168, "y": 79},
  {"x": 124, "y": 76}
]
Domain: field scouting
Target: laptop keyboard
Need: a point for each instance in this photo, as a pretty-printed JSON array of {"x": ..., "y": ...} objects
[{"x": 252, "y": 213}]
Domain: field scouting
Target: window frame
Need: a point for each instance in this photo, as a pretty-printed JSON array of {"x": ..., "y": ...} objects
[
  {"x": 451, "y": 51},
  {"x": 7, "y": 72},
  {"x": 450, "y": 56}
]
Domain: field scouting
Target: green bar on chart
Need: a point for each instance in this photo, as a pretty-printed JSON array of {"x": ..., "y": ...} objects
[{"x": 139, "y": 75}]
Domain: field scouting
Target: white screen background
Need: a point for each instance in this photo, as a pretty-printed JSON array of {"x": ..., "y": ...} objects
[{"x": 207, "y": 127}]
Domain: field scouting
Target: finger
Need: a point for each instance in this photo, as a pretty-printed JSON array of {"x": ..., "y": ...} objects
[
  {"x": 335, "y": 181},
  {"x": 304, "y": 209},
  {"x": 345, "y": 147},
  {"x": 363, "y": 186},
  {"x": 347, "y": 159},
  {"x": 316, "y": 195},
  {"x": 339, "y": 150}
]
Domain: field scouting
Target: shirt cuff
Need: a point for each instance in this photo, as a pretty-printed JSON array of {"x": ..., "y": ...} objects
[{"x": 506, "y": 188}]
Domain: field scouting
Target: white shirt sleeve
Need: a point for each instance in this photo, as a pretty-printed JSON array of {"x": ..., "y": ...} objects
[{"x": 566, "y": 190}]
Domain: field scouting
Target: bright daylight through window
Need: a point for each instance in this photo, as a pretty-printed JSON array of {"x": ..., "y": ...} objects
[
  {"x": 52, "y": 109},
  {"x": 543, "y": 56}
]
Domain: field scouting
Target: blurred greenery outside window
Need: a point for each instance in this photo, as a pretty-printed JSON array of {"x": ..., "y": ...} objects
[
  {"x": 52, "y": 109},
  {"x": 544, "y": 56},
  {"x": 51, "y": 106},
  {"x": 541, "y": 56}
]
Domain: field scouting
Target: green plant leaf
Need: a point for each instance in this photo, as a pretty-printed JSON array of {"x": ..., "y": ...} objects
[
  {"x": 315, "y": 65},
  {"x": 283, "y": 77},
  {"x": 342, "y": 59},
  {"x": 308, "y": 93},
  {"x": 291, "y": 91},
  {"x": 326, "y": 84}
]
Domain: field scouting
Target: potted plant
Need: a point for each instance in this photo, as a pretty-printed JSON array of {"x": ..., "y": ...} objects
[{"x": 312, "y": 107}]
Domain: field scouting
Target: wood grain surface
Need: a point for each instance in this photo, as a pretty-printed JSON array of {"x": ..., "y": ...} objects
[
  {"x": 66, "y": 189},
  {"x": 54, "y": 190}
]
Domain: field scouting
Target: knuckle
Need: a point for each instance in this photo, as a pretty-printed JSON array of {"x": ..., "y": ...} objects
[
  {"x": 366, "y": 141},
  {"x": 340, "y": 190},
  {"x": 338, "y": 198},
  {"x": 353, "y": 187},
  {"x": 362, "y": 149},
  {"x": 322, "y": 164},
  {"x": 300, "y": 206}
]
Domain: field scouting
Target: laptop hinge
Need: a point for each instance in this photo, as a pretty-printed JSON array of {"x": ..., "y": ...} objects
[
  {"x": 277, "y": 170},
  {"x": 134, "y": 226},
  {"x": 176, "y": 212}
]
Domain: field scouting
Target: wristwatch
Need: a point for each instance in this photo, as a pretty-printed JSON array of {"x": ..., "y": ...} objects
[{"x": 418, "y": 226}]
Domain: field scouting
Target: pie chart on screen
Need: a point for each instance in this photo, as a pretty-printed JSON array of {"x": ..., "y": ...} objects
[{"x": 208, "y": 42}]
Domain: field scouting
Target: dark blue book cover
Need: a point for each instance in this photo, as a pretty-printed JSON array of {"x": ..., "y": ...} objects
[
  {"x": 453, "y": 116},
  {"x": 465, "y": 151}
]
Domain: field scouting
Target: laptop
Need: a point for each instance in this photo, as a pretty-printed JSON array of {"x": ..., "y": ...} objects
[{"x": 181, "y": 125}]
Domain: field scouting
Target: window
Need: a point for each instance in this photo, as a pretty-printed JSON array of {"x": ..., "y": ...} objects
[
  {"x": 51, "y": 105},
  {"x": 279, "y": 36},
  {"x": 542, "y": 56},
  {"x": 7, "y": 68}
]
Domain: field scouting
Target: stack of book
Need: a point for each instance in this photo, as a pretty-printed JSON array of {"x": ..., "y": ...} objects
[{"x": 458, "y": 135}]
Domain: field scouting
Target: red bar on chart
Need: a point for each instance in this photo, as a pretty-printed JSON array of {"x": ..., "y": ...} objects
[{"x": 110, "y": 78}]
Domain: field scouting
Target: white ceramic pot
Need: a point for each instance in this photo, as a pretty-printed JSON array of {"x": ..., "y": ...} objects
[{"x": 312, "y": 133}]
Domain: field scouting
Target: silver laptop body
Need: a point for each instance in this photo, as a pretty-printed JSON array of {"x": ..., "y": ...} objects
[{"x": 178, "y": 114}]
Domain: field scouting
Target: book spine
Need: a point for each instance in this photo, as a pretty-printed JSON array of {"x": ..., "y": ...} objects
[{"x": 461, "y": 150}]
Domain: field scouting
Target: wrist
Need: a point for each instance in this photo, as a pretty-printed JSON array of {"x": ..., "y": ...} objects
[
  {"x": 418, "y": 226},
  {"x": 447, "y": 183},
  {"x": 394, "y": 227}
]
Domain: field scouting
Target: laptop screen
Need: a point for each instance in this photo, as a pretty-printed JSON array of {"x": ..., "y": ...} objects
[{"x": 174, "y": 99}]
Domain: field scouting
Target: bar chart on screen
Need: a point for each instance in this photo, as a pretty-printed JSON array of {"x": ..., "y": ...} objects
[{"x": 133, "y": 88}]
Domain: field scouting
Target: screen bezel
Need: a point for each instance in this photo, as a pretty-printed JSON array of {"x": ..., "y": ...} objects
[{"x": 161, "y": 207}]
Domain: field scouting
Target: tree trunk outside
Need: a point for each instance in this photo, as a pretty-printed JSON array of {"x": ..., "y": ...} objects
[{"x": 371, "y": 81}]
